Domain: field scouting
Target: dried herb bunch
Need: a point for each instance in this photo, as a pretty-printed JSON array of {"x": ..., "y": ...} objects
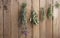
[
  {"x": 57, "y": 5},
  {"x": 34, "y": 18},
  {"x": 49, "y": 12},
  {"x": 23, "y": 18},
  {"x": 23, "y": 14},
  {"x": 43, "y": 13}
]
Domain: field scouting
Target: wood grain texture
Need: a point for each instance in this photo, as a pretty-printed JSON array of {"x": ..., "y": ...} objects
[
  {"x": 20, "y": 28},
  {"x": 10, "y": 27},
  {"x": 59, "y": 22},
  {"x": 1, "y": 19},
  {"x": 55, "y": 21},
  {"x": 6, "y": 11},
  {"x": 43, "y": 22},
  {"x": 14, "y": 19},
  {"x": 36, "y": 27},
  {"x": 49, "y": 29},
  {"x": 55, "y": 29},
  {"x": 49, "y": 22}
]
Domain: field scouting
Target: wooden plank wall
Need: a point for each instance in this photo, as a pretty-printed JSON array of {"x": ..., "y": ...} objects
[
  {"x": 6, "y": 13},
  {"x": 14, "y": 19},
  {"x": 1, "y": 19},
  {"x": 11, "y": 28}
]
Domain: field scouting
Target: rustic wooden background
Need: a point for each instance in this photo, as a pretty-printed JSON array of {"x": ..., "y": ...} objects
[{"x": 9, "y": 20}]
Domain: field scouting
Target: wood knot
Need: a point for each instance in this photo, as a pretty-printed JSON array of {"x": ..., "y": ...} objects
[
  {"x": 5, "y": 7},
  {"x": 0, "y": 6}
]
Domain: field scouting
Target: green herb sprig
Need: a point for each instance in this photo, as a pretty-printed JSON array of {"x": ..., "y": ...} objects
[
  {"x": 24, "y": 19},
  {"x": 43, "y": 14},
  {"x": 57, "y": 5},
  {"x": 49, "y": 12},
  {"x": 23, "y": 14},
  {"x": 34, "y": 18}
]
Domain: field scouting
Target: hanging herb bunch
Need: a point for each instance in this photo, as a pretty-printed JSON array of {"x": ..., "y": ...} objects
[
  {"x": 34, "y": 18},
  {"x": 23, "y": 14},
  {"x": 24, "y": 18},
  {"x": 49, "y": 12},
  {"x": 43, "y": 14},
  {"x": 57, "y": 5}
]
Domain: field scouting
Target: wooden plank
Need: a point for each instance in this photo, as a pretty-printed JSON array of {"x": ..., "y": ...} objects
[
  {"x": 29, "y": 25},
  {"x": 49, "y": 23},
  {"x": 36, "y": 27},
  {"x": 55, "y": 28},
  {"x": 1, "y": 19},
  {"x": 6, "y": 18},
  {"x": 49, "y": 29},
  {"x": 43, "y": 30},
  {"x": 59, "y": 22},
  {"x": 20, "y": 28},
  {"x": 55, "y": 21},
  {"x": 42, "y": 22},
  {"x": 14, "y": 19},
  {"x": 58, "y": 18}
]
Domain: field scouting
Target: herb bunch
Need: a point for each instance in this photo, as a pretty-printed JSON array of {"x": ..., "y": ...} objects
[
  {"x": 57, "y": 5},
  {"x": 43, "y": 14},
  {"x": 23, "y": 14},
  {"x": 24, "y": 18},
  {"x": 49, "y": 12},
  {"x": 34, "y": 18}
]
